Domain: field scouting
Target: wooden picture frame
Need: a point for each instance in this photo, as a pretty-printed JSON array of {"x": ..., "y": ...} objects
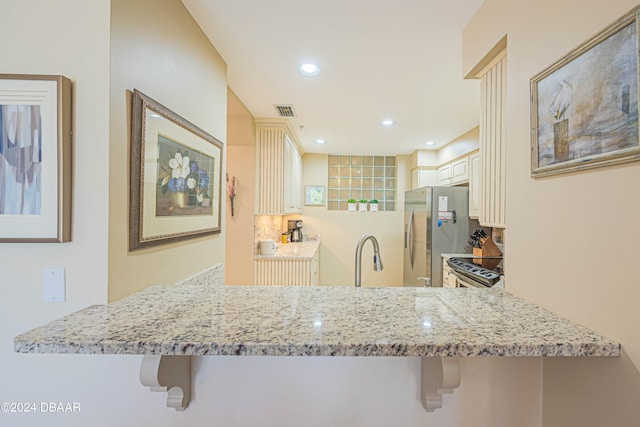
[
  {"x": 584, "y": 108},
  {"x": 176, "y": 171},
  {"x": 315, "y": 195},
  {"x": 35, "y": 158}
]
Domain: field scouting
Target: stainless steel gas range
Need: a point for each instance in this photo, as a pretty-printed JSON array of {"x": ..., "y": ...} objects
[{"x": 476, "y": 272}]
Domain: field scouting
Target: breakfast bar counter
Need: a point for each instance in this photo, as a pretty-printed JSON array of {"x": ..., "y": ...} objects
[
  {"x": 200, "y": 316},
  {"x": 209, "y": 319}
]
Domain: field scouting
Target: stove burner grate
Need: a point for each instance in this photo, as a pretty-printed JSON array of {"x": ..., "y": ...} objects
[{"x": 483, "y": 275}]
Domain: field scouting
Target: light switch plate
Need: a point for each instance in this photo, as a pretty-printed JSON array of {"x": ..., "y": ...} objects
[{"x": 54, "y": 290}]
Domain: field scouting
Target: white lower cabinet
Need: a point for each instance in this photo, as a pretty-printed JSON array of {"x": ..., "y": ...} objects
[
  {"x": 448, "y": 278},
  {"x": 288, "y": 271},
  {"x": 315, "y": 270}
]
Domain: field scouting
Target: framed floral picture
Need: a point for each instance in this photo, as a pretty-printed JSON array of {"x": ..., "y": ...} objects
[
  {"x": 175, "y": 177},
  {"x": 35, "y": 158}
]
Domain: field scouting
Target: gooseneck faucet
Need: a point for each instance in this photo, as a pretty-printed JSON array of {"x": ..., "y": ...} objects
[{"x": 377, "y": 260}]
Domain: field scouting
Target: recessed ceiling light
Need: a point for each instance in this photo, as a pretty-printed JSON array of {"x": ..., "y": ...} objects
[
  {"x": 429, "y": 143},
  {"x": 320, "y": 141},
  {"x": 387, "y": 123},
  {"x": 309, "y": 70}
]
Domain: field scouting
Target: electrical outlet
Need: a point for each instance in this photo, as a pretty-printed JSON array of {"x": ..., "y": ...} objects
[{"x": 54, "y": 289}]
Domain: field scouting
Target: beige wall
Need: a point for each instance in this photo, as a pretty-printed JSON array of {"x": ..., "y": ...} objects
[
  {"x": 241, "y": 154},
  {"x": 340, "y": 231},
  {"x": 157, "y": 48},
  {"x": 580, "y": 226},
  {"x": 464, "y": 144}
]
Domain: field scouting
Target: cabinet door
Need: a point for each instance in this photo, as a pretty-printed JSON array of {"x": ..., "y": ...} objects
[
  {"x": 288, "y": 177},
  {"x": 297, "y": 181},
  {"x": 292, "y": 179},
  {"x": 283, "y": 272},
  {"x": 279, "y": 172},
  {"x": 474, "y": 185},
  {"x": 460, "y": 171},
  {"x": 448, "y": 280},
  {"x": 315, "y": 269},
  {"x": 423, "y": 177},
  {"x": 444, "y": 174}
]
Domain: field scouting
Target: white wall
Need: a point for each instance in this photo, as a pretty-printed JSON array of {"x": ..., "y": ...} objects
[{"x": 580, "y": 226}]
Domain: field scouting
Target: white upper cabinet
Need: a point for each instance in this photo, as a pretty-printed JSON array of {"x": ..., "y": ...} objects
[
  {"x": 454, "y": 173},
  {"x": 460, "y": 171},
  {"x": 474, "y": 185},
  {"x": 279, "y": 169},
  {"x": 444, "y": 175},
  {"x": 292, "y": 179}
]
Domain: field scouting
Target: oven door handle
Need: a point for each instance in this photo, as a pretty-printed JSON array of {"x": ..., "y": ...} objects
[{"x": 467, "y": 281}]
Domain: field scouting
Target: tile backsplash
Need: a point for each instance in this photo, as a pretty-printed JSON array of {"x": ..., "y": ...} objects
[
  {"x": 267, "y": 227},
  {"x": 272, "y": 227}
]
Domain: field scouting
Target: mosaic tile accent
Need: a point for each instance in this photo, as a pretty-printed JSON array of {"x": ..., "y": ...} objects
[{"x": 361, "y": 177}]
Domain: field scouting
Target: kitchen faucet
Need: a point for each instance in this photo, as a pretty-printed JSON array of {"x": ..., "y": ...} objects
[{"x": 377, "y": 260}]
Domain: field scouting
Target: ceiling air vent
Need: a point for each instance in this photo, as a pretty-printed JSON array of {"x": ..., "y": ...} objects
[{"x": 285, "y": 110}]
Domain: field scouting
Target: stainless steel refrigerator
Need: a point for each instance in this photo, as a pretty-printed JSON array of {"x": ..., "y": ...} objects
[{"x": 436, "y": 221}]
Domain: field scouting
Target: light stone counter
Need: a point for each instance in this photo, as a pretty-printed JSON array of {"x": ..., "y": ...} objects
[
  {"x": 200, "y": 316},
  {"x": 297, "y": 250}
]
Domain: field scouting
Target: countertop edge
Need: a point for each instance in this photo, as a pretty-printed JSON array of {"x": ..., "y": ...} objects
[{"x": 310, "y": 350}]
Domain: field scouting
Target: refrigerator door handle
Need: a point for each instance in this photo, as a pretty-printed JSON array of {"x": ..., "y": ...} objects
[{"x": 408, "y": 238}]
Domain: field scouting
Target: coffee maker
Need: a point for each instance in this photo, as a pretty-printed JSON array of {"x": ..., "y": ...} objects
[{"x": 294, "y": 227}]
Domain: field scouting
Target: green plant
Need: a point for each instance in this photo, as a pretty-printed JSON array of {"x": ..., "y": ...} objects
[
  {"x": 373, "y": 201},
  {"x": 351, "y": 201},
  {"x": 363, "y": 200}
]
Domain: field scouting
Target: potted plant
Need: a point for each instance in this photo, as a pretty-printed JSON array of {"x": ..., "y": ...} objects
[
  {"x": 363, "y": 205},
  {"x": 351, "y": 205},
  {"x": 373, "y": 205}
]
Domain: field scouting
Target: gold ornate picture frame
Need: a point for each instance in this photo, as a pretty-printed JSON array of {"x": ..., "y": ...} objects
[{"x": 176, "y": 171}]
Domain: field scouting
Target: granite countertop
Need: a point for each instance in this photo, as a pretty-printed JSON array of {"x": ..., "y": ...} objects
[
  {"x": 199, "y": 316},
  {"x": 297, "y": 250}
]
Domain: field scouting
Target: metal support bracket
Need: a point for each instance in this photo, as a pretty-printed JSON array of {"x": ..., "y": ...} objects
[
  {"x": 440, "y": 375},
  {"x": 171, "y": 374}
]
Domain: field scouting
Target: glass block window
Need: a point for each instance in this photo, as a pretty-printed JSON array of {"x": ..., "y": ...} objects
[{"x": 361, "y": 177}]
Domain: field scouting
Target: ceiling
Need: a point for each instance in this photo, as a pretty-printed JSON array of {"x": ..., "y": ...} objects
[{"x": 398, "y": 59}]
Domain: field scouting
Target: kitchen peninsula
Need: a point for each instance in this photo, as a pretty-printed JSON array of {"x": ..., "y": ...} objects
[{"x": 199, "y": 316}]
